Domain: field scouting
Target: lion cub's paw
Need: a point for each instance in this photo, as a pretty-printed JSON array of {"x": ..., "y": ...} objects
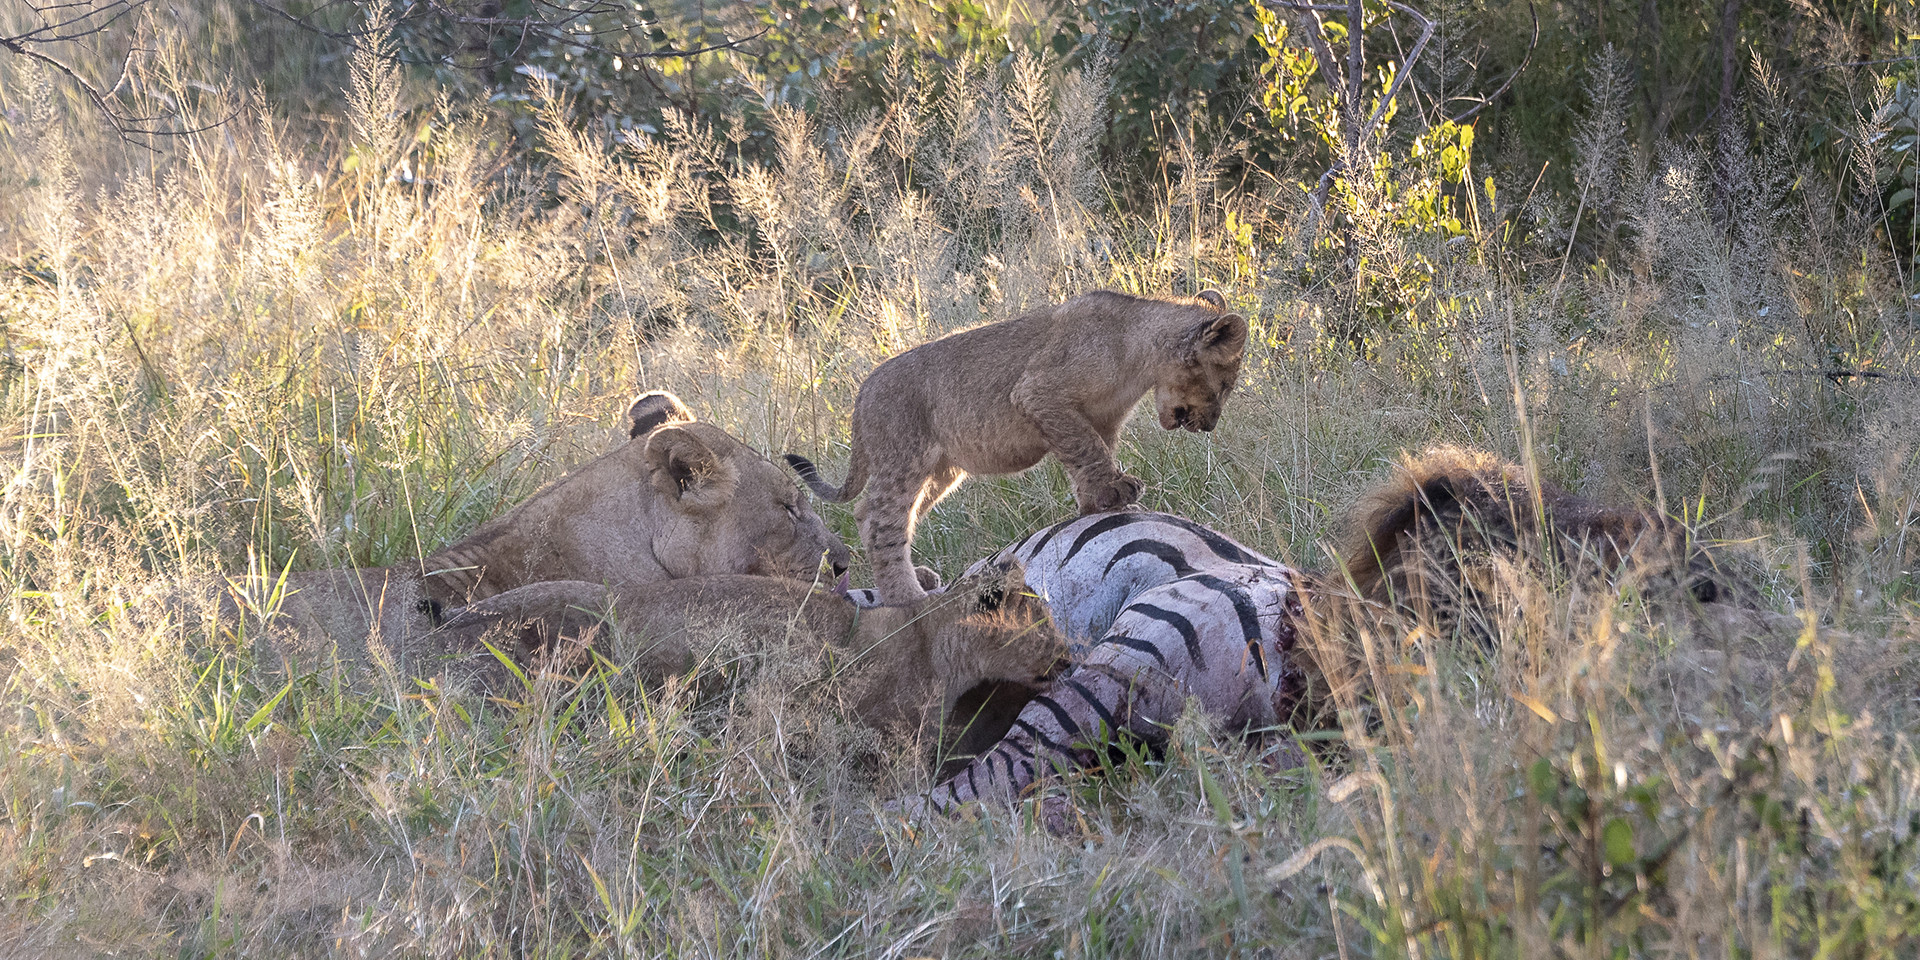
[{"x": 1114, "y": 495}]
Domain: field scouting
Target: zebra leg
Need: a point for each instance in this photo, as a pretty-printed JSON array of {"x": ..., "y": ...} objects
[
  {"x": 1199, "y": 637},
  {"x": 1067, "y": 726},
  {"x": 1129, "y": 680}
]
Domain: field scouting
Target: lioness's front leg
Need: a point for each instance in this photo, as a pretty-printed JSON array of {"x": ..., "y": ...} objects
[{"x": 1099, "y": 484}]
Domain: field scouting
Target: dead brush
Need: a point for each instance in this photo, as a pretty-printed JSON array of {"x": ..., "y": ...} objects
[
  {"x": 1599, "y": 775},
  {"x": 319, "y": 344}
]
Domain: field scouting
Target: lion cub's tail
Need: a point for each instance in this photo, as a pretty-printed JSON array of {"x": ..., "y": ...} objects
[{"x": 856, "y": 478}]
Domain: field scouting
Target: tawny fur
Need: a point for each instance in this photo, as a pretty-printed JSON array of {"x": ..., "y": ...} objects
[
  {"x": 653, "y": 409},
  {"x": 685, "y": 499},
  {"x": 997, "y": 398},
  {"x": 897, "y": 670}
]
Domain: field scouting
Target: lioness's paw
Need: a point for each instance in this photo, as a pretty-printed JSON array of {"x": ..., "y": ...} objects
[{"x": 1115, "y": 495}]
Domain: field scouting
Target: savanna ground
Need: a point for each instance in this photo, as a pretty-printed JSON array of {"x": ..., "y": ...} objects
[{"x": 305, "y": 337}]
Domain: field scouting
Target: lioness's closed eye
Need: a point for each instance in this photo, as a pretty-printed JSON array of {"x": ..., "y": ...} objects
[{"x": 995, "y": 399}]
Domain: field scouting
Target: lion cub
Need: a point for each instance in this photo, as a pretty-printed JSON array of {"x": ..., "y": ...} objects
[{"x": 997, "y": 398}]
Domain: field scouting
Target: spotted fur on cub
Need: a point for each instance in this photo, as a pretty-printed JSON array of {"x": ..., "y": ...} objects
[{"x": 997, "y": 398}]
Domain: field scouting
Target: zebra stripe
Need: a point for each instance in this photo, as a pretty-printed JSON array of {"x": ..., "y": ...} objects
[
  {"x": 1140, "y": 645},
  {"x": 1038, "y": 542},
  {"x": 1080, "y": 690},
  {"x": 1164, "y": 552},
  {"x": 1242, "y": 608},
  {"x": 1223, "y": 548},
  {"x": 1179, "y": 623},
  {"x": 1157, "y": 610},
  {"x": 1105, "y": 524}
]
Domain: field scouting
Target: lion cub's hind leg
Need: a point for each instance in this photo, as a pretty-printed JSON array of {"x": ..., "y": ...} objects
[
  {"x": 940, "y": 482},
  {"x": 888, "y": 516}
]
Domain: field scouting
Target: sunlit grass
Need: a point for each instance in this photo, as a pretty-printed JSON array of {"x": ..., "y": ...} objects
[{"x": 266, "y": 347}]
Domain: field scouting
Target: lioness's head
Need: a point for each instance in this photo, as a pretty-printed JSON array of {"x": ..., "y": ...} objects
[
  {"x": 732, "y": 509},
  {"x": 1208, "y": 351}
]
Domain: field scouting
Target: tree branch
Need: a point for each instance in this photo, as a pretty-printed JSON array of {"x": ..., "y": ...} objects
[
  {"x": 540, "y": 27},
  {"x": 1405, "y": 70},
  {"x": 1486, "y": 101},
  {"x": 93, "y": 19}
]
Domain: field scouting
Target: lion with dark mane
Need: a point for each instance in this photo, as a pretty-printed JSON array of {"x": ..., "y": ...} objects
[{"x": 1437, "y": 538}]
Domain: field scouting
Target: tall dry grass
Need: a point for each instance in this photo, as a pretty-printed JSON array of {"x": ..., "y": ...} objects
[{"x": 288, "y": 342}]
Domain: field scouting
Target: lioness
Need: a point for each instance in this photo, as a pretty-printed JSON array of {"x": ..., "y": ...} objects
[
  {"x": 681, "y": 499},
  {"x": 996, "y": 398},
  {"x": 1432, "y": 540},
  {"x": 954, "y": 671}
]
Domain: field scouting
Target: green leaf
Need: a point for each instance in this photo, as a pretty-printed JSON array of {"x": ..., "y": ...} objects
[
  {"x": 1617, "y": 839},
  {"x": 512, "y": 668},
  {"x": 1541, "y": 780},
  {"x": 1216, "y": 797},
  {"x": 261, "y": 715}
]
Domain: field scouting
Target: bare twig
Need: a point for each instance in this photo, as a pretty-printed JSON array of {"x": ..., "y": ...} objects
[
  {"x": 1486, "y": 101},
  {"x": 76, "y": 21},
  {"x": 1406, "y": 68},
  {"x": 1838, "y": 375},
  {"x": 1858, "y": 63},
  {"x": 1355, "y": 131},
  {"x": 532, "y": 26}
]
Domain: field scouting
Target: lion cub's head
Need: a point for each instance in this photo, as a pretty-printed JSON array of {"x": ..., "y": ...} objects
[
  {"x": 1208, "y": 349},
  {"x": 991, "y": 627},
  {"x": 994, "y": 647}
]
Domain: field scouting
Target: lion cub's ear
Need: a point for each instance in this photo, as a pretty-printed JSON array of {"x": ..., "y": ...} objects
[
  {"x": 1005, "y": 590},
  {"x": 688, "y": 472},
  {"x": 1221, "y": 337},
  {"x": 652, "y": 409},
  {"x": 1213, "y": 296}
]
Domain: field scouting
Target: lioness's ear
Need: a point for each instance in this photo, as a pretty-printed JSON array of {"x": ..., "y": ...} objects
[
  {"x": 688, "y": 472},
  {"x": 650, "y": 410},
  {"x": 1225, "y": 334},
  {"x": 1213, "y": 296}
]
